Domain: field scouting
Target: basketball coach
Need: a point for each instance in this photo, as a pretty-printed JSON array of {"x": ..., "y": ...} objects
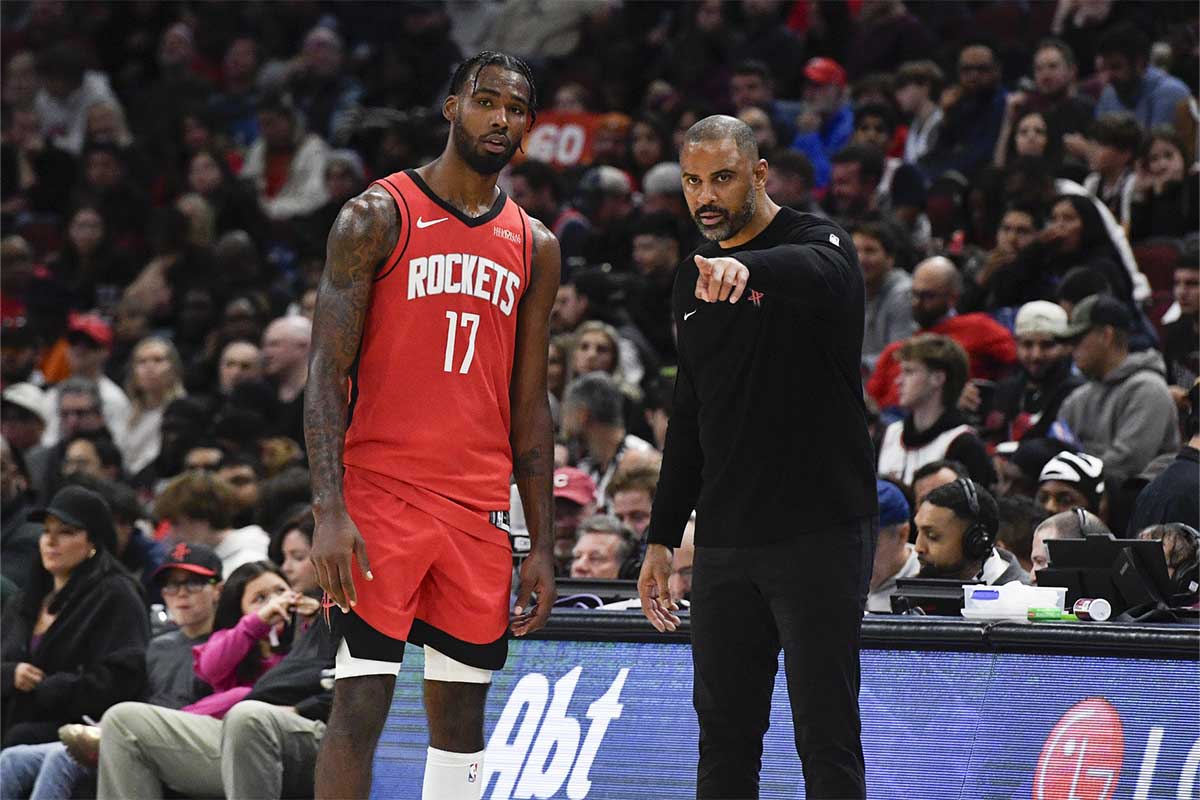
[{"x": 768, "y": 443}]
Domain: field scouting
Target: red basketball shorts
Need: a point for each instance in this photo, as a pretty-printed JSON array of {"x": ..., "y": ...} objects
[{"x": 434, "y": 583}]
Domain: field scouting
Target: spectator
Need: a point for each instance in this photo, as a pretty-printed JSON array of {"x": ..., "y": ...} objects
[
  {"x": 1018, "y": 229},
  {"x": 1180, "y": 545},
  {"x": 191, "y": 584},
  {"x": 1019, "y": 518},
  {"x": 918, "y": 85},
  {"x": 901, "y": 188},
  {"x": 23, "y": 415},
  {"x": 766, "y": 36},
  {"x": 285, "y": 345},
  {"x": 933, "y": 371},
  {"x": 242, "y": 471},
  {"x": 657, "y": 250},
  {"x": 1131, "y": 85},
  {"x": 1027, "y": 402},
  {"x": 660, "y": 391},
  {"x": 37, "y": 175},
  {"x": 240, "y": 360},
  {"x": 886, "y": 34},
  {"x": 67, "y": 91},
  {"x": 574, "y": 499},
  {"x": 855, "y": 176},
  {"x": 889, "y": 300},
  {"x": 93, "y": 454},
  {"x": 594, "y": 423},
  {"x": 286, "y": 164},
  {"x": 1166, "y": 197},
  {"x": 18, "y": 536},
  {"x": 1063, "y": 525},
  {"x": 790, "y": 181},
  {"x": 649, "y": 144},
  {"x": 630, "y": 495},
  {"x": 752, "y": 85},
  {"x": 1019, "y": 465},
  {"x": 235, "y": 104},
  {"x": 1171, "y": 497},
  {"x": 1029, "y": 137},
  {"x": 233, "y": 203},
  {"x": 199, "y": 507},
  {"x": 79, "y": 411},
  {"x": 90, "y": 341},
  {"x": 606, "y": 199},
  {"x": 290, "y": 549},
  {"x": 662, "y": 192},
  {"x": 895, "y": 558},
  {"x": 680, "y": 581},
  {"x": 1072, "y": 480},
  {"x": 934, "y": 474},
  {"x": 155, "y": 379},
  {"x": 1124, "y": 414},
  {"x": 537, "y": 188},
  {"x": 828, "y": 120},
  {"x": 946, "y": 551},
  {"x": 75, "y": 641},
  {"x": 936, "y": 288},
  {"x": 1053, "y": 94},
  {"x": 1180, "y": 348},
  {"x": 91, "y": 265},
  {"x": 137, "y": 550},
  {"x": 604, "y": 550},
  {"x": 1114, "y": 143},
  {"x": 251, "y": 619},
  {"x": 322, "y": 89},
  {"x": 973, "y": 111}
]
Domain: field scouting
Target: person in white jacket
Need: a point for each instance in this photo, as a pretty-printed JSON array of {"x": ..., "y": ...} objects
[{"x": 286, "y": 164}]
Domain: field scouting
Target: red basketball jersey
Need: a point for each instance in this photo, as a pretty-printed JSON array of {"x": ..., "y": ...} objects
[{"x": 430, "y": 393}]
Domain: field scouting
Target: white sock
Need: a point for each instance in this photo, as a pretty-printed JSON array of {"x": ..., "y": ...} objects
[{"x": 452, "y": 776}]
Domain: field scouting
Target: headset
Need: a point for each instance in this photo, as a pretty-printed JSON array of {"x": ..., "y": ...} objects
[{"x": 977, "y": 540}]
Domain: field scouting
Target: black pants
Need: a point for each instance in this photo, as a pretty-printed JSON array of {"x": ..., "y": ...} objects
[{"x": 805, "y": 595}]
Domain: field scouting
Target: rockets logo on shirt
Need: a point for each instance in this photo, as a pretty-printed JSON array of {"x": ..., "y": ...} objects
[{"x": 463, "y": 273}]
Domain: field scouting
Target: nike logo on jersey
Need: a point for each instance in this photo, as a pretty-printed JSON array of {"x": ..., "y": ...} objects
[
  {"x": 423, "y": 224},
  {"x": 689, "y": 313}
]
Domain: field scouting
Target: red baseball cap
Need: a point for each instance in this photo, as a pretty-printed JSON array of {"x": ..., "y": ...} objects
[
  {"x": 574, "y": 485},
  {"x": 825, "y": 70},
  {"x": 93, "y": 327}
]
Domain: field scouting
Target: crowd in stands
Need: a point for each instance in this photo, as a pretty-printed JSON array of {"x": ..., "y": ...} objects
[{"x": 1024, "y": 207}]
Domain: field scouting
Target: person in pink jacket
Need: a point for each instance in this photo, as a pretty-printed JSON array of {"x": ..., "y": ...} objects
[{"x": 250, "y": 635}]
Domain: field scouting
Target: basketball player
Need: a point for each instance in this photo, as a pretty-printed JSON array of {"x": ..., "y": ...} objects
[
  {"x": 433, "y": 313},
  {"x": 768, "y": 442}
]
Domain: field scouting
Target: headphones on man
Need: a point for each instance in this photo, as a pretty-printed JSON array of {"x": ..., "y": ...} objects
[{"x": 977, "y": 540}]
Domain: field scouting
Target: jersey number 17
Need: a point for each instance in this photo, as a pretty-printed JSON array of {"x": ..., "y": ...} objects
[{"x": 467, "y": 321}]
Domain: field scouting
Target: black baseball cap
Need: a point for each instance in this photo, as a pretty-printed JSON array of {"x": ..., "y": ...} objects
[
  {"x": 195, "y": 558},
  {"x": 81, "y": 508},
  {"x": 1097, "y": 310}
]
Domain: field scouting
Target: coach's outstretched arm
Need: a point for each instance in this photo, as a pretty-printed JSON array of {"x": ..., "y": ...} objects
[
  {"x": 362, "y": 236},
  {"x": 532, "y": 432}
]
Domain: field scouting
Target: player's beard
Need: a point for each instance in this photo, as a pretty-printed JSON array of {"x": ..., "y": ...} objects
[
  {"x": 732, "y": 225},
  {"x": 482, "y": 162},
  {"x": 935, "y": 571}
]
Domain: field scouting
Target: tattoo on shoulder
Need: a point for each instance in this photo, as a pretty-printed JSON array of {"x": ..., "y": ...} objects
[{"x": 530, "y": 464}]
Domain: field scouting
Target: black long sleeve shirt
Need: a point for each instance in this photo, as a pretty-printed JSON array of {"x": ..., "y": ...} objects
[{"x": 768, "y": 434}]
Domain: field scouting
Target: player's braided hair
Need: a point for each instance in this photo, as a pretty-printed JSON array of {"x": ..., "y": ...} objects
[{"x": 488, "y": 58}]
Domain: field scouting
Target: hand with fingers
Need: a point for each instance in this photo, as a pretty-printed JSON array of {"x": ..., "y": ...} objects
[
  {"x": 336, "y": 544},
  {"x": 720, "y": 279},
  {"x": 26, "y": 677},
  {"x": 537, "y": 577},
  {"x": 275, "y": 610},
  {"x": 657, "y": 603}
]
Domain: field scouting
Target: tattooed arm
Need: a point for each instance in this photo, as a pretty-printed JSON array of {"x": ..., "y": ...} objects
[
  {"x": 532, "y": 434},
  {"x": 362, "y": 236}
]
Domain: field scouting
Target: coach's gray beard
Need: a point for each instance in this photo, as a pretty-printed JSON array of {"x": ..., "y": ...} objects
[{"x": 735, "y": 223}]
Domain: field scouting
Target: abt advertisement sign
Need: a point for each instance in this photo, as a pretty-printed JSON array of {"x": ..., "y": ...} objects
[{"x": 613, "y": 720}]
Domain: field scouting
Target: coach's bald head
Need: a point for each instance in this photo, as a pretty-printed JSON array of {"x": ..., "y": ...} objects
[{"x": 719, "y": 128}]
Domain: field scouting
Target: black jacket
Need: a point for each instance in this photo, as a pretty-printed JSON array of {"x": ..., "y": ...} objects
[
  {"x": 94, "y": 655},
  {"x": 296, "y": 680},
  {"x": 1026, "y": 411}
]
